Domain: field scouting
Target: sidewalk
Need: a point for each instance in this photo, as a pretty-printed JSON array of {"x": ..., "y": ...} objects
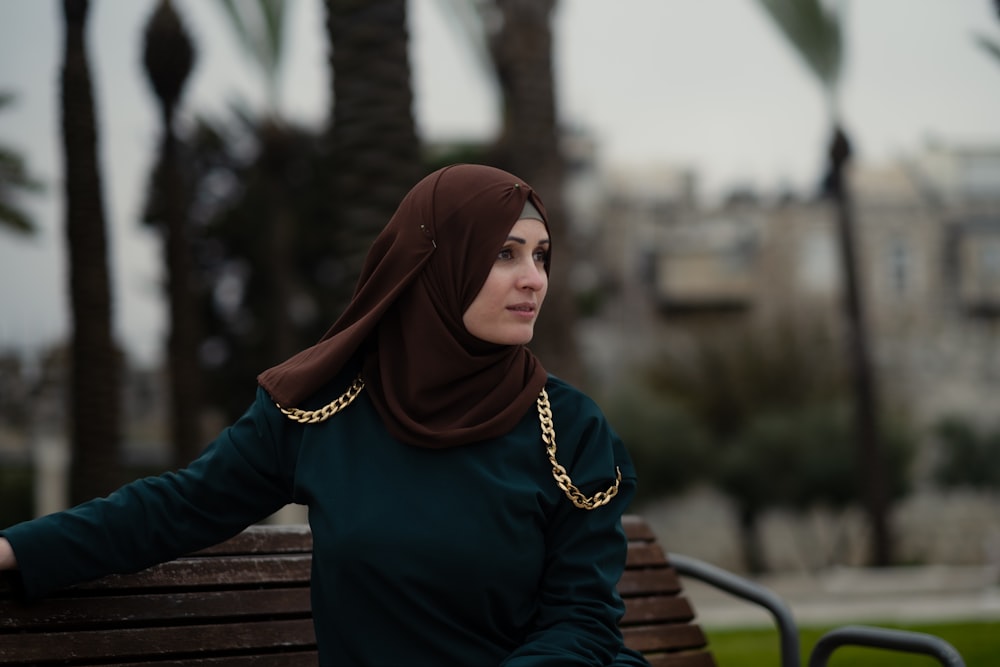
[{"x": 862, "y": 595}]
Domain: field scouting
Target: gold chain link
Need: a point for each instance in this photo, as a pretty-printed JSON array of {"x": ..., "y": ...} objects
[
  {"x": 548, "y": 437},
  {"x": 559, "y": 472},
  {"x": 328, "y": 410}
]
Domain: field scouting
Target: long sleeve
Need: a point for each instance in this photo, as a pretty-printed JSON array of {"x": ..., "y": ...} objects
[
  {"x": 576, "y": 621},
  {"x": 242, "y": 477},
  {"x": 578, "y": 610}
]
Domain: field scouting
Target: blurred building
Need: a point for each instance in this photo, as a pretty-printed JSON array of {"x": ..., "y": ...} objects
[
  {"x": 928, "y": 236},
  {"x": 930, "y": 228},
  {"x": 618, "y": 232}
]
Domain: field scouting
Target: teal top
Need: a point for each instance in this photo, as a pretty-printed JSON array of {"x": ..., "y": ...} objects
[{"x": 463, "y": 556}]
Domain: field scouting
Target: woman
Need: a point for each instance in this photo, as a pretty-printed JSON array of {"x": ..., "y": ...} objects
[{"x": 450, "y": 526}]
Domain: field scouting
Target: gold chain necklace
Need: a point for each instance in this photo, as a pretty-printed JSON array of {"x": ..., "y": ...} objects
[
  {"x": 560, "y": 474},
  {"x": 328, "y": 410},
  {"x": 562, "y": 478}
]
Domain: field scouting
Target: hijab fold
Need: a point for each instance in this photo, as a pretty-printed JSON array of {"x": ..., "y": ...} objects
[{"x": 432, "y": 382}]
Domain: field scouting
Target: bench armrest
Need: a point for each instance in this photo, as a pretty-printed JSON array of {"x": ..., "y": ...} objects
[
  {"x": 849, "y": 635},
  {"x": 886, "y": 638},
  {"x": 747, "y": 590}
]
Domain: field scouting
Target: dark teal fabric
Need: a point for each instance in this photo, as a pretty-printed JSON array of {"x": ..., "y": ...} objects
[{"x": 465, "y": 556}]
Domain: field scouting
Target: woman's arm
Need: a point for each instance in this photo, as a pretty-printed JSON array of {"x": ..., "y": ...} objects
[
  {"x": 578, "y": 610},
  {"x": 7, "y": 560},
  {"x": 242, "y": 477},
  {"x": 578, "y": 606}
]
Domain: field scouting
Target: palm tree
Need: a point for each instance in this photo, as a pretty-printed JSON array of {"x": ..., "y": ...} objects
[
  {"x": 168, "y": 59},
  {"x": 372, "y": 140},
  {"x": 95, "y": 361},
  {"x": 514, "y": 38},
  {"x": 260, "y": 29},
  {"x": 988, "y": 43},
  {"x": 236, "y": 195},
  {"x": 14, "y": 178},
  {"x": 529, "y": 146},
  {"x": 266, "y": 249},
  {"x": 816, "y": 34}
]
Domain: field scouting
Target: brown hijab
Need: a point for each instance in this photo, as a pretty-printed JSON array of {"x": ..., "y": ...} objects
[{"x": 433, "y": 383}]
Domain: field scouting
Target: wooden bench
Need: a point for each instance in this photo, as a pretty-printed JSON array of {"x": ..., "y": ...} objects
[{"x": 245, "y": 603}]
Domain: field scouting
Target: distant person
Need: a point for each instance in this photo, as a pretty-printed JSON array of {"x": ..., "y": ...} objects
[{"x": 416, "y": 433}]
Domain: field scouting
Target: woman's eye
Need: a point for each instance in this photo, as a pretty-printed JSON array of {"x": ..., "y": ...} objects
[
  {"x": 506, "y": 253},
  {"x": 541, "y": 255}
]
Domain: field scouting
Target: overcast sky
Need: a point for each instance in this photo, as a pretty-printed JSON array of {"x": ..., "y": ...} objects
[{"x": 702, "y": 84}]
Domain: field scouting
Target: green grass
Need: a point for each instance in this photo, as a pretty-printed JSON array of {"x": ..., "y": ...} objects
[{"x": 978, "y": 642}]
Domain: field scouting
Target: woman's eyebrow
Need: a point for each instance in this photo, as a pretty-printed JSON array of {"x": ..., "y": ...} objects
[{"x": 518, "y": 239}]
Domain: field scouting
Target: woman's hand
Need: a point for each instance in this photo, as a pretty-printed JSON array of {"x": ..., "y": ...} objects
[{"x": 7, "y": 560}]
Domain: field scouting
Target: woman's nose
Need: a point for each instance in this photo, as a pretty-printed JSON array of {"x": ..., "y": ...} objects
[{"x": 533, "y": 277}]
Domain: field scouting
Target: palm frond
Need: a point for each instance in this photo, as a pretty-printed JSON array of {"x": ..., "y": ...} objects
[
  {"x": 259, "y": 30},
  {"x": 14, "y": 171},
  {"x": 15, "y": 220},
  {"x": 273, "y": 13},
  {"x": 237, "y": 22},
  {"x": 814, "y": 32},
  {"x": 14, "y": 179},
  {"x": 990, "y": 45},
  {"x": 468, "y": 19}
]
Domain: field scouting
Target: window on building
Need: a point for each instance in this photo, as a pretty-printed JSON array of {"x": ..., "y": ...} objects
[{"x": 899, "y": 264}]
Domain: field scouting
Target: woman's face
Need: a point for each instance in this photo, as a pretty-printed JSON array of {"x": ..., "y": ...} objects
[{"x": 505, "y": 310}]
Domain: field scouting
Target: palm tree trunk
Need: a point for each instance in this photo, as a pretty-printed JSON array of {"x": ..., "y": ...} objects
[
  {"x": 95, "y": 360},
  {"x": 276, "y": 147},
  {"x": 870, "y": 458},
  {"x": 750, "y": 544},
  {"x": 168, "y": 58},
  {"x": 182, "y": 344},
  {"x": 375, "y": 151},
  {"x": 529, "y": 147}
]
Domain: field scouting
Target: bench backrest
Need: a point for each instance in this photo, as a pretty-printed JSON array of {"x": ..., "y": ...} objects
[
  {"x": 659, "y": 619},
  {"x": 246, "y": 603}
]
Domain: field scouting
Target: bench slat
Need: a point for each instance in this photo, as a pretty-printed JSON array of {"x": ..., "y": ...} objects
[
  {"x": 180, "y": 641},
  {"x": 673, "y": 609},
  {"x": 169, "y": 608},
  {"x": 644, "y": 554},
  {"x": 296, "y": 659},
  {"x": 265, "y": 539},
  {"x": 700, "y": 659},
  {"x": 663, "y": 581},
  {"x": 637, "y": 529},
  {"x": 659, "y": 637},
  {"x": 215, "y": 572}
]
